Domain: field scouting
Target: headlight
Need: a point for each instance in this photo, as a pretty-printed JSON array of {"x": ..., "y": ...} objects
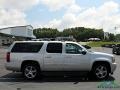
[{"x": 113, "y": 59}]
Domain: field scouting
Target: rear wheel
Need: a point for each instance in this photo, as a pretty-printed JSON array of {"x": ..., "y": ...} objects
[
  {"x": 101, "y": 71},
  {"x": 30, "y": 71},
  {"x": 114, "y": 50}
]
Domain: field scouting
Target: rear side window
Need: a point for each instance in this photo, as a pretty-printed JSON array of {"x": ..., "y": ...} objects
[
  {"x": 27, "y": 47},
  {"x": 54, "y": 48}
]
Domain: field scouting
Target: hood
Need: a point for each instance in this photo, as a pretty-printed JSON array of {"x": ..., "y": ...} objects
[{"x": 103, "y": 54}]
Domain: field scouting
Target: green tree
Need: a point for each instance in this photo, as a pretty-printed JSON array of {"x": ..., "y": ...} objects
[
  {"x": 79, "y": 33},
  {"x": 111, "y": 37},
  {"x": 117, "y": 37},
  {"x": 45, "y": 32}
]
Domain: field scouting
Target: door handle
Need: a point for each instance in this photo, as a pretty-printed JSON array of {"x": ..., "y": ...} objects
[
  {"x": 48, "y": 57},
  {"x": 68, "y": 57}
]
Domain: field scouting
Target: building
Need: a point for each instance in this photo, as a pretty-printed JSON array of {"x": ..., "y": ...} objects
[{"x": 17, "y": 33}]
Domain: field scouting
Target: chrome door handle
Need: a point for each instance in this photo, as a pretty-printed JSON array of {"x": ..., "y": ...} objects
[
  {"x": 68, "y": 57},
  {"x": 48, "y": 57}
]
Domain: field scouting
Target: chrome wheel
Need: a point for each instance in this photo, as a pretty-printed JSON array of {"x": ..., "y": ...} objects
[
  {"x": 30, "y": 72},
  {"x": 101, "y": 71}
]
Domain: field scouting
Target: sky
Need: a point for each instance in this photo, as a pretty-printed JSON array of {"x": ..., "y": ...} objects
[{"x": 61, "y": 14}]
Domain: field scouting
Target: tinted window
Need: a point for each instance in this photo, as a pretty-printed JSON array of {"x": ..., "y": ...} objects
[
  {"x": 27, "y": 47},
  {"x": 54, "y": 48},
  {"x": 73, "y": 48}
]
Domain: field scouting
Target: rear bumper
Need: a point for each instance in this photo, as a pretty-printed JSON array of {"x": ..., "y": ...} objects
[
  {"x": 113, "y": 67},
  {"x": 11, "y": 67}
]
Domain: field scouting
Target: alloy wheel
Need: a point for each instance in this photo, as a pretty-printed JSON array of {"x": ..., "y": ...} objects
[
  {"x": 101, "y": 72},
  {"x": 30, "y": 72}
]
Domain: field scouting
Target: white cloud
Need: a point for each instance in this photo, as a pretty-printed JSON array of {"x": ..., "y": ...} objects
[
  {"x": 12, "y": 12},
  {"x": 106, "y": 16},
  {"x": 18, "y": 4},
  {"x": 54, "y": 23},
  {"x": 66, "y": 22},
  {"x": 109, "y": 7},
  {"x": 74, "y": 8},
  {"x": 55, "y": 5},
  {"x": 11, "y": 18}
]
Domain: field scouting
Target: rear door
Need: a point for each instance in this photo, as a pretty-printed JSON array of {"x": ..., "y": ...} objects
[{"x": 53, "y": 58}]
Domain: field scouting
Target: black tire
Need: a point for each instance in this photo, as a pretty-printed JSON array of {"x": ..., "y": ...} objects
[
  {"x": 31, "y": 71},
  {"x": 113, "y": 52},
  {"x": 117, "y": 53},
  {"x": 101, "y": 71}
]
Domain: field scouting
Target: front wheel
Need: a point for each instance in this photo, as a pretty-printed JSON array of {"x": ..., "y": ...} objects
[
  {"x": 101, "y": 71},
  {"x": 30, "y": 71},
  {"x": 113, "y": 52},
  {"x": 117, "y": 53}
]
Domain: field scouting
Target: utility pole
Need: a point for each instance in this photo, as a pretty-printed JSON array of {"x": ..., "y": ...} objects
[
  {"x": 116, "y": 27},
  {"x": 115, "y": 30}
]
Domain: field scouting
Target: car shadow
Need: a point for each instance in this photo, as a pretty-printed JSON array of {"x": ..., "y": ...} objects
[{"x": 17, "y": 77}]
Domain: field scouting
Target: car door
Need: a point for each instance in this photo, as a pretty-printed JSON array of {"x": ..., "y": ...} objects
[
  {"x": 74, "y": 60},
  {"x": 53, "y": 58}
]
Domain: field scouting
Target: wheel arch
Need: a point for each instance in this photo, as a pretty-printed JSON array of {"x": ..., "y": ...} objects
[
  {"x": 30, "y": 62},
  {"x": 101, "y": 62}
]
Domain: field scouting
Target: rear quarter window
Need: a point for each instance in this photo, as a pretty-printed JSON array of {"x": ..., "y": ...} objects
[
  {"x": 27, "y": 47},
  {"x": 54, "y": 48}
]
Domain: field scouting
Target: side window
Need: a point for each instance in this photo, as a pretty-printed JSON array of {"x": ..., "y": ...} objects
[
  {"x": 73, "y": 48},
  {"x": 27, "y": 47},
  {"x": 54, "y": 48}
]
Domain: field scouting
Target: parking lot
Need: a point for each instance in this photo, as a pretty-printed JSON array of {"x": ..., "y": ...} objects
[{"x": 14, "y": 81}]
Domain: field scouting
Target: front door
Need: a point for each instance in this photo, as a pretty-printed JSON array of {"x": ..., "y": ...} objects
[{"x": 74, "y": 60}]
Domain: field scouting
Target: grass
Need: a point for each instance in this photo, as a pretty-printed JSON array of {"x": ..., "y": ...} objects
[{"x": 98, "y": 44}]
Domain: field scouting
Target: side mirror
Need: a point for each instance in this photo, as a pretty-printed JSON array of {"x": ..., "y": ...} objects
[{"x": 84, "y": 52}]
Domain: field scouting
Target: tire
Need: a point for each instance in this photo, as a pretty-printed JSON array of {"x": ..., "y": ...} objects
[
  {"x": 101, "y": 71},
  {"x": 31, "y": 71},
  {"x": 117, "y": 53},
  {"x": 113, "y": 52}
]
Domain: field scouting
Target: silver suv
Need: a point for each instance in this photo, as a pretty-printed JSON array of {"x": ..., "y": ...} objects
[{"x": 33, "y": 58}]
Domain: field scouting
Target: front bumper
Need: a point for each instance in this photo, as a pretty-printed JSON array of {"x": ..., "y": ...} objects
[{"x": 113, "y": 67}]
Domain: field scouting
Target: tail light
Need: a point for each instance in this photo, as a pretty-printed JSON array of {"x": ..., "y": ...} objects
[{"x": 8, "y": 57}]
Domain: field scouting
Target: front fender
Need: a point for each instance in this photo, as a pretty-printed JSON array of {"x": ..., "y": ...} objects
[{"x": 100, "y": 60}]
